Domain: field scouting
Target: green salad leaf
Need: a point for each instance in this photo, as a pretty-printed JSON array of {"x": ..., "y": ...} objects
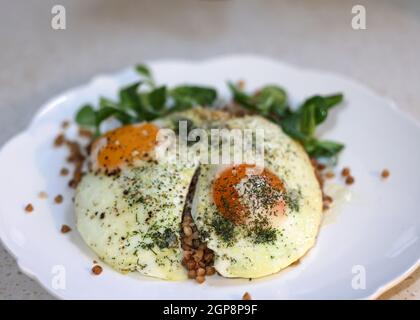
[
  {"x": 157, "y": 98},
  {"x": 300, "y": 124},
  {"x": 186, "y": 97},
  {"x": 271, "y": 99},
  {"x": 143, "y": 100},
  {"x": 241, "y": 97},
  {"x": 86, "y": 116},
  {"x": 323, "y": 148},
  {"x": 145, "y": 72},
  {"x": 129, "y": 98}
]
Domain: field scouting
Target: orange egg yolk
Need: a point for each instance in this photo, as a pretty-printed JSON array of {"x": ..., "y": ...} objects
[
  {"x": 124, "y": 145},
  {"x": 228, "y": 201}
]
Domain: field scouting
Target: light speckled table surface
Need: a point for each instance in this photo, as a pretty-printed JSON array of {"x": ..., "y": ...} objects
[{"x": 38, "y": 62}]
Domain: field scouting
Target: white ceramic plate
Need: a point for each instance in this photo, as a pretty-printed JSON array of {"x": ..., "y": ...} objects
[{"x": 376, "y": 235}]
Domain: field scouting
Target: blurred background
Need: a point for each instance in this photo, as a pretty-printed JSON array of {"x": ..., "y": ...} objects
[{"x": 38, "y": 62}]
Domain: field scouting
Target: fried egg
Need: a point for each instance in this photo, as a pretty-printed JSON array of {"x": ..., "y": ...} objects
[
  {"x": 259, "y": 219},
  {"x": 129, "y": 206}
]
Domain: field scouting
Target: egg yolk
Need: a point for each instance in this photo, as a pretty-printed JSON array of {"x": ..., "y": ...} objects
[
  {"x": 266, "y": 189},
  {"x": 124, "y": 145}
]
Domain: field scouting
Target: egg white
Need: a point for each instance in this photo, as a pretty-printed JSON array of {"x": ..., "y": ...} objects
[{"x": 125, "y": 219}]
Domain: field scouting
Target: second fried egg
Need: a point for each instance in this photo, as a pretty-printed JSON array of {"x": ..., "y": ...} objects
[{"x": 259, "y": 220}]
